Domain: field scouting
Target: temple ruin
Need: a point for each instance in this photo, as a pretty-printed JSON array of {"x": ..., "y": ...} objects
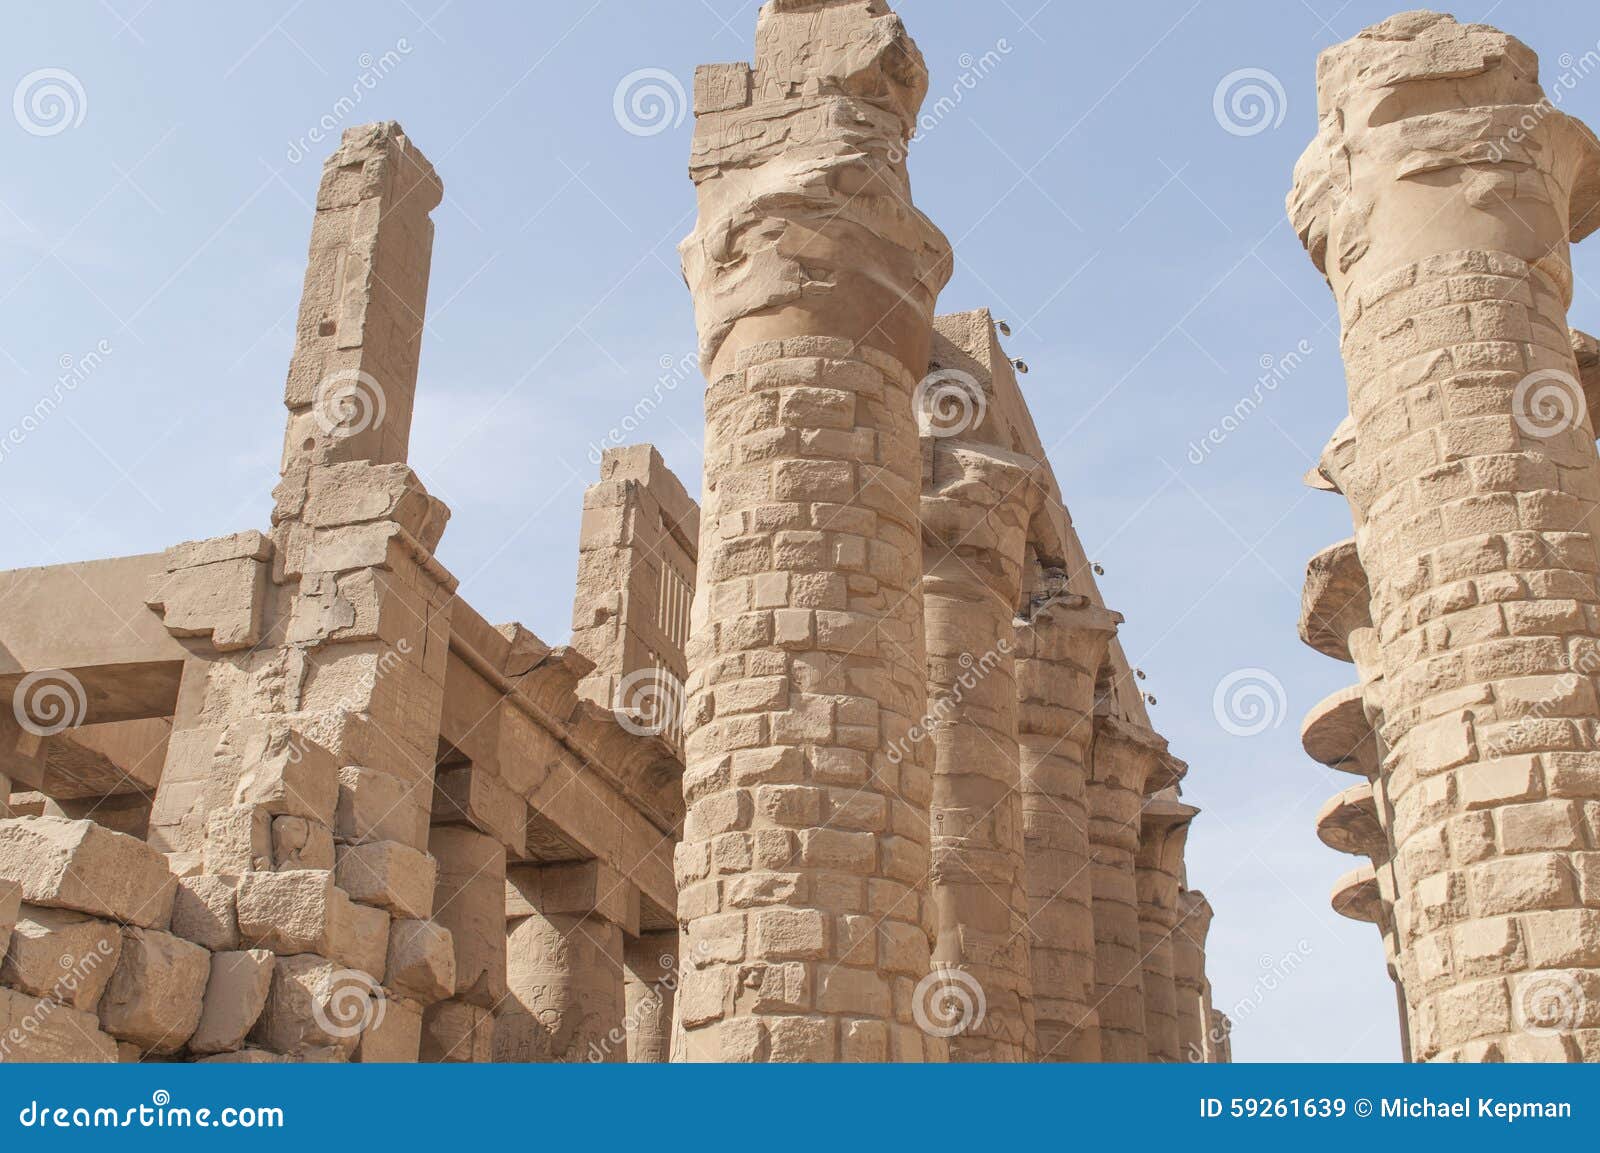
[
  {"x": 1440, "y": 199},
  {"x": 843, "y": 763}
]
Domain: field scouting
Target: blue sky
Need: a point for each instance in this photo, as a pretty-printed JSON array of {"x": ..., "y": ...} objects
[{"x": 1137, "y": 248}]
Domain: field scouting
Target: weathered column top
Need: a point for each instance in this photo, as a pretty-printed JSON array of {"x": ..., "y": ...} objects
[
  {"x": 1421, "y": 103},
  {"x": 805, "y": 215}
]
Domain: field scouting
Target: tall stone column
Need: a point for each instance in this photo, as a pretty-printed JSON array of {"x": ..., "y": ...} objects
[
  {"x": 1061, "y": 641},
  {"x": 1439, "y": 199},
  {"x": 470, "y": 901},
  {"x": 300, "y": 766},
  {"x": 1126, "y": 759},
  {"x": 976, "y": 505},
  {"x": 1164, "y": 828},
  {"x": 564, "y": 964},
  {"x": 803, "y": 868},
  {"x": 1189, "y": 974},
  {"x": 650, "y": 983}
]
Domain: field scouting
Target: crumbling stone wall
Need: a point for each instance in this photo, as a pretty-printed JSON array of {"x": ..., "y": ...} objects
[{"x": 338, "y": 816}]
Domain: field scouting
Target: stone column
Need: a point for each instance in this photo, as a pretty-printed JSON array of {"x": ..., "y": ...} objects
[
  {"x": 564, "y": 965},
  {"x": 1126, "y": 758},
  {"x": 300, "y": 766},
  {"x": 1164, "y": 827},
  {"x": 803, "y": 869},
  {"x": 1189, "y": 974},
  {"x": 1061, "y": 640},
  {"x": 975, "y": 512},
  {"x": 470, "y": 901},
  {"x": 636, "y": 567},
  {"x": 1439, "y": 199},
  {"x": 650, "y": 983}
]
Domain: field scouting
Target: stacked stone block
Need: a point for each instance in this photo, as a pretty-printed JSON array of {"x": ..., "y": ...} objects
[
  {"x": 802, "y": 872},
  {"x": 1440, "y": 199}
]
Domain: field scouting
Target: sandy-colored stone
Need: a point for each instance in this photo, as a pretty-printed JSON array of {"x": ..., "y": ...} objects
[
  {"x": 156, "y": 993},
  {"x": 79, "y": 865},
  {"x": 236, "y": 992},
  {"x": 62, "y": 955}
]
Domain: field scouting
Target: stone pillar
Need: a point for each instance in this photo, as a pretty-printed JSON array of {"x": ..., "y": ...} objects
[
  {"x": 5, "y": 797},
  {"x": 1189, "y": 974},
  {"x": 803, "y": 869},
  {"x": 975, "y": 513},
  {"x": 300, "y": 766},
  {"x": 650, "y": 984},
  {"x": 1125, "y": 759},
  {"x": 1164, "y": 827},
  {"x": 470, "y": 901},
  {"x": 1439, "y": 199},
  {"x": 564, "y": 964},
  {"x": 636, "y": 570},
  {"x": 1220, "y": 1051},
  {"x": 1061, "y": 640}
]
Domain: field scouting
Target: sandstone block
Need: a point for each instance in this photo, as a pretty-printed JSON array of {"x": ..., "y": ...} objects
[
  {"x": 377, "y": 806},
  {"x": 301, "y": 1016},
  {"x": 389, "y": 875},
  {"x": 238, "y": 840},
  {"x": 156, "y": 993},
  {"x": 303, "y": 911},
  {"x": 36, "y": 1030},
  {"x": 394, "y": 1038},
  {"x": 10, "y": 908},
  {"x": 62, "y": 955},
  {"x": 298, "y": 843},
  {"x": 79, "y": 865},
  {"x": 235, "y": 995},
  {"x": 454, "y": 1031},
  {"x": 422, "y": 961},
  {"x": 205, "y": 911},
  {"x": 283, "y": 771}
]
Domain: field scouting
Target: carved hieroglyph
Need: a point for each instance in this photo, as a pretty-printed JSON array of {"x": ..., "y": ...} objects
[{"x": 1440, "y": 199}]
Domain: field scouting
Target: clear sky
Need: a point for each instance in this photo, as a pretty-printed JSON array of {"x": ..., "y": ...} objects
[{"x": 1137, "y": 246}]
